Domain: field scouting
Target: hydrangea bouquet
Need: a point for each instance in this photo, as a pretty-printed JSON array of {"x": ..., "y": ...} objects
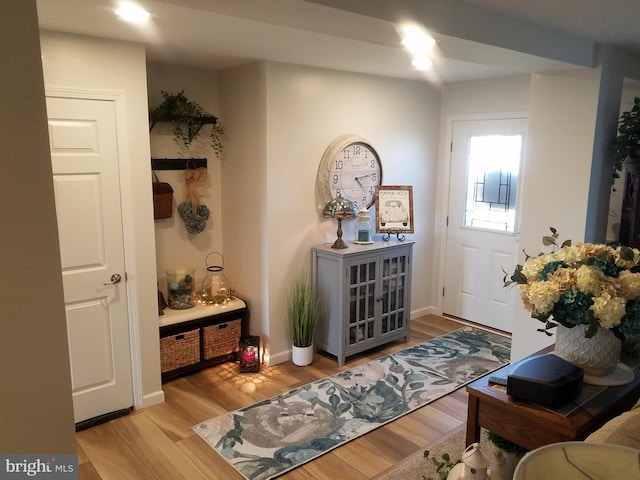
[{"x": 593, "y": 284}]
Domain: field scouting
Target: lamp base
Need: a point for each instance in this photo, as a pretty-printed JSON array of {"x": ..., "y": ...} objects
[{"x": 339, "y": 243}]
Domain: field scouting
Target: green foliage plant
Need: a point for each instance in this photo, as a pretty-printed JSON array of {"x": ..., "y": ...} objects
[
  {"x": 443, "y": 465},
  {"x": 187, "y": 118},
  {"x": 506, "y": 445},
  {"x": 302, "y": 311},
  {"x": 628, "y": 137}
]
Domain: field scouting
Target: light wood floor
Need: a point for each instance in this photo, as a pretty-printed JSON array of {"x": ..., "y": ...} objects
[{"x": 157, "y": 442}]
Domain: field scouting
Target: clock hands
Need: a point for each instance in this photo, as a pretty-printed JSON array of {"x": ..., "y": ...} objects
[{"x": 364, "y": 176}]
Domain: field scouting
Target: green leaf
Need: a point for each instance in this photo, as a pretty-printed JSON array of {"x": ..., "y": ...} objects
[
  {"x": 626, "y": 253},
  {"x": 547, "y": 240},
  {"x": 592, "y": 329},
  {"x": 518, "y": 276}
]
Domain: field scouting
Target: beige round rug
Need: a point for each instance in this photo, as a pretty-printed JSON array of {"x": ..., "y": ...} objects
[{"x": 416, "y": 467}]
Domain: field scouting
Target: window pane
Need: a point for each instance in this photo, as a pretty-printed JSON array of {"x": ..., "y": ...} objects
[{"x": 494, "y": 161}]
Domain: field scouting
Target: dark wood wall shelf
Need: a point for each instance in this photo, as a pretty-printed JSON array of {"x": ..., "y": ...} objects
[
  {"x": 204, "y": 120},
  {"x": 177, "y": 163}
]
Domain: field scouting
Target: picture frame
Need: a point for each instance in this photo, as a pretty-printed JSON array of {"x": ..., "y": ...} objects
[{"x": 394, "y": 209}]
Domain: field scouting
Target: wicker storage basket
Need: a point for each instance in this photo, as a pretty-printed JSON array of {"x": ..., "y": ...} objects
[
  {"x": 180, "y": 350},
  {"x": 221, "y": 339}
]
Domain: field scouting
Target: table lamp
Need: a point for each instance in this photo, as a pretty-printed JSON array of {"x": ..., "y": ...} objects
[{"x": 340, "y": 209}]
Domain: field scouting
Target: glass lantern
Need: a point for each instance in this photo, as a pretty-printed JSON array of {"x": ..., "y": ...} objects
[
  {"x": 219, "y": 286},
  {"x": 250, "y": 354}
]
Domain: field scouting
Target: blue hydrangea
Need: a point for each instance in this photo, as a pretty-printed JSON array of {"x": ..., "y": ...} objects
[
  {"x": 630, "y": 323},
  {"x": 572, "y": 307},
  {"x": 550, "y": 268}
]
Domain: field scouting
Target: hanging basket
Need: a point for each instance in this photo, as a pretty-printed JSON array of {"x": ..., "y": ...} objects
[{"x": 162, "y": 199}]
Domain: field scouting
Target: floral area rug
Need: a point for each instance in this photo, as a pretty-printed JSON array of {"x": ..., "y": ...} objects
[{"x": 266, "y": 439}]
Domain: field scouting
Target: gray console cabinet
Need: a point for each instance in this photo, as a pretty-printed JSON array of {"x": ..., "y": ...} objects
[{"x": 365, "y": 296}]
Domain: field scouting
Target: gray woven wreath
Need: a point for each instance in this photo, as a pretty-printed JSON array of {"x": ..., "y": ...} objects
[{"x": 194, "y": 222}]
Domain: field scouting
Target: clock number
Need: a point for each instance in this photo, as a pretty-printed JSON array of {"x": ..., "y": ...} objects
[
  {"x": 345, "y": 154},
  {"x": 356, "y": 149},
  {"x": 364, "y": 201},
  {"x": 338, "y": 193},
  {"x": 373, "y": 177},
  {"x": 339, "y": 165},
  {"x": 373, "y": 163},
  {"x": 335, "y": 179}
]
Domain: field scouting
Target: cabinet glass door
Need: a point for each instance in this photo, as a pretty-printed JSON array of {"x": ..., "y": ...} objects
[
  {"x": 394, "y": 271},
  {"x": 362, "y": 283}
]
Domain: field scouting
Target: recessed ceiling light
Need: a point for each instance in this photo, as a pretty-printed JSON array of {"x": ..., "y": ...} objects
[
  {"x": 421, "y": 63},
  {"x": 416, "y": 39},
  {"x": 132, "y": 13}
]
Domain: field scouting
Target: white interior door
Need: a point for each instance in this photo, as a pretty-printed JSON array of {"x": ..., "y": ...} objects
[
  {"x": 84, "y": 156},
  {"x": 482, "y": 238}
]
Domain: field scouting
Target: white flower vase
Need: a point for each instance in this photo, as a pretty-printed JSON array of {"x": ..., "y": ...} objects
[
  {"x": 302, "y": 356},
  {"x": 597, "y": 356}
]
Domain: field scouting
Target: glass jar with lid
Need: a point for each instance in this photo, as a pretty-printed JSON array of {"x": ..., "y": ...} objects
[{"x": 363, "y": 228}]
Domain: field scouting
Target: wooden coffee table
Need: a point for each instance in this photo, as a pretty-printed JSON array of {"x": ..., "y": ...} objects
[{"x": 533, "y": 426}]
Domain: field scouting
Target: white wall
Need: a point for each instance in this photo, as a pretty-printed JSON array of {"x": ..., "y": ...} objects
[
  {"x": 280, "y": 119},
  {"x": 36, "y": 412},
  {"x": 556, "y": 175},
  {"x": 174, "y": 245},
  {"x": 307, "y": 109},
  {"x": 88, "y": 63},
  {"x": 244, "y": 189}
]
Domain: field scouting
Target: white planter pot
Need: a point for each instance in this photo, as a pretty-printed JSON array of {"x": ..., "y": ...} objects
[
  {"x": 597, "y": 355},
  {"x": 302, "y": 356}
]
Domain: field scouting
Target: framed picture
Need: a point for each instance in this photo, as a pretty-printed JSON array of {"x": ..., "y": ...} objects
[{"x": 394, "y": 209}]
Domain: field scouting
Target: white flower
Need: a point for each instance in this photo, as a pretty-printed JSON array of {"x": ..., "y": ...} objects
[
  {"x": 608, "y": 310},
  {"x": 542, "y": 296},
  {"x": 629, "y": 285},
  {"x": 588, "y": 279}
]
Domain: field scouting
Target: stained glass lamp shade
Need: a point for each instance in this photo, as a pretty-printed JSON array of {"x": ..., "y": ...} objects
[{"x": 340, "y": 209}]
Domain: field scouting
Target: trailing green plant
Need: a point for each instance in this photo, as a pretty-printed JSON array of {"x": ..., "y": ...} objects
[
  {"x": 302, "y": 310},
  {"x": 628, "y": 137},
  {"x": 506, "y": 445},
  {"x": 187, "y": 118},
  {"x": 443, "y": 465}
]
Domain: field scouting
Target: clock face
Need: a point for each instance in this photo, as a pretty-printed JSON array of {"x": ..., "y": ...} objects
[{"x": 350, "y": 168}]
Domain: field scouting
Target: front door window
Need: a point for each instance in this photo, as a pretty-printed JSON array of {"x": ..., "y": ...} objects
[{"x": 492, "y": 178}]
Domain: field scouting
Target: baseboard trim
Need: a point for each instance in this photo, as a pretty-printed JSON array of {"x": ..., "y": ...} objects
[
  {"x": 423, "y": 311},
  {"x": 152, "y": 399},
  {"x": 280, "y": 357}
]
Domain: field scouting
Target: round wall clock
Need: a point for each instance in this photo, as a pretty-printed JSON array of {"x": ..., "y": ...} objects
[{"x": 350, "y": 168}]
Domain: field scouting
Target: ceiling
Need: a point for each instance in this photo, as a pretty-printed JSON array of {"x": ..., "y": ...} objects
[{"x": 219, "y": 34}]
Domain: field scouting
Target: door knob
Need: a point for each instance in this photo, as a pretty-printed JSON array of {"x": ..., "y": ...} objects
[{"x": 115, "y": 278}]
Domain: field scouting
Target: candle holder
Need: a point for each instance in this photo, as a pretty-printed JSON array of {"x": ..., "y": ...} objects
[{"x": 250, "y": 354}]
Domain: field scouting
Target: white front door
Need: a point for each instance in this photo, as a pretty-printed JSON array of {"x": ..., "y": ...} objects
[
  {"x": 84, "y": 157},
  {"x": 482, "y": 220}
]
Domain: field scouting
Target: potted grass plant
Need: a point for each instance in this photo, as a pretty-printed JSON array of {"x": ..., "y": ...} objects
[{"x": 302, "y": 310}]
